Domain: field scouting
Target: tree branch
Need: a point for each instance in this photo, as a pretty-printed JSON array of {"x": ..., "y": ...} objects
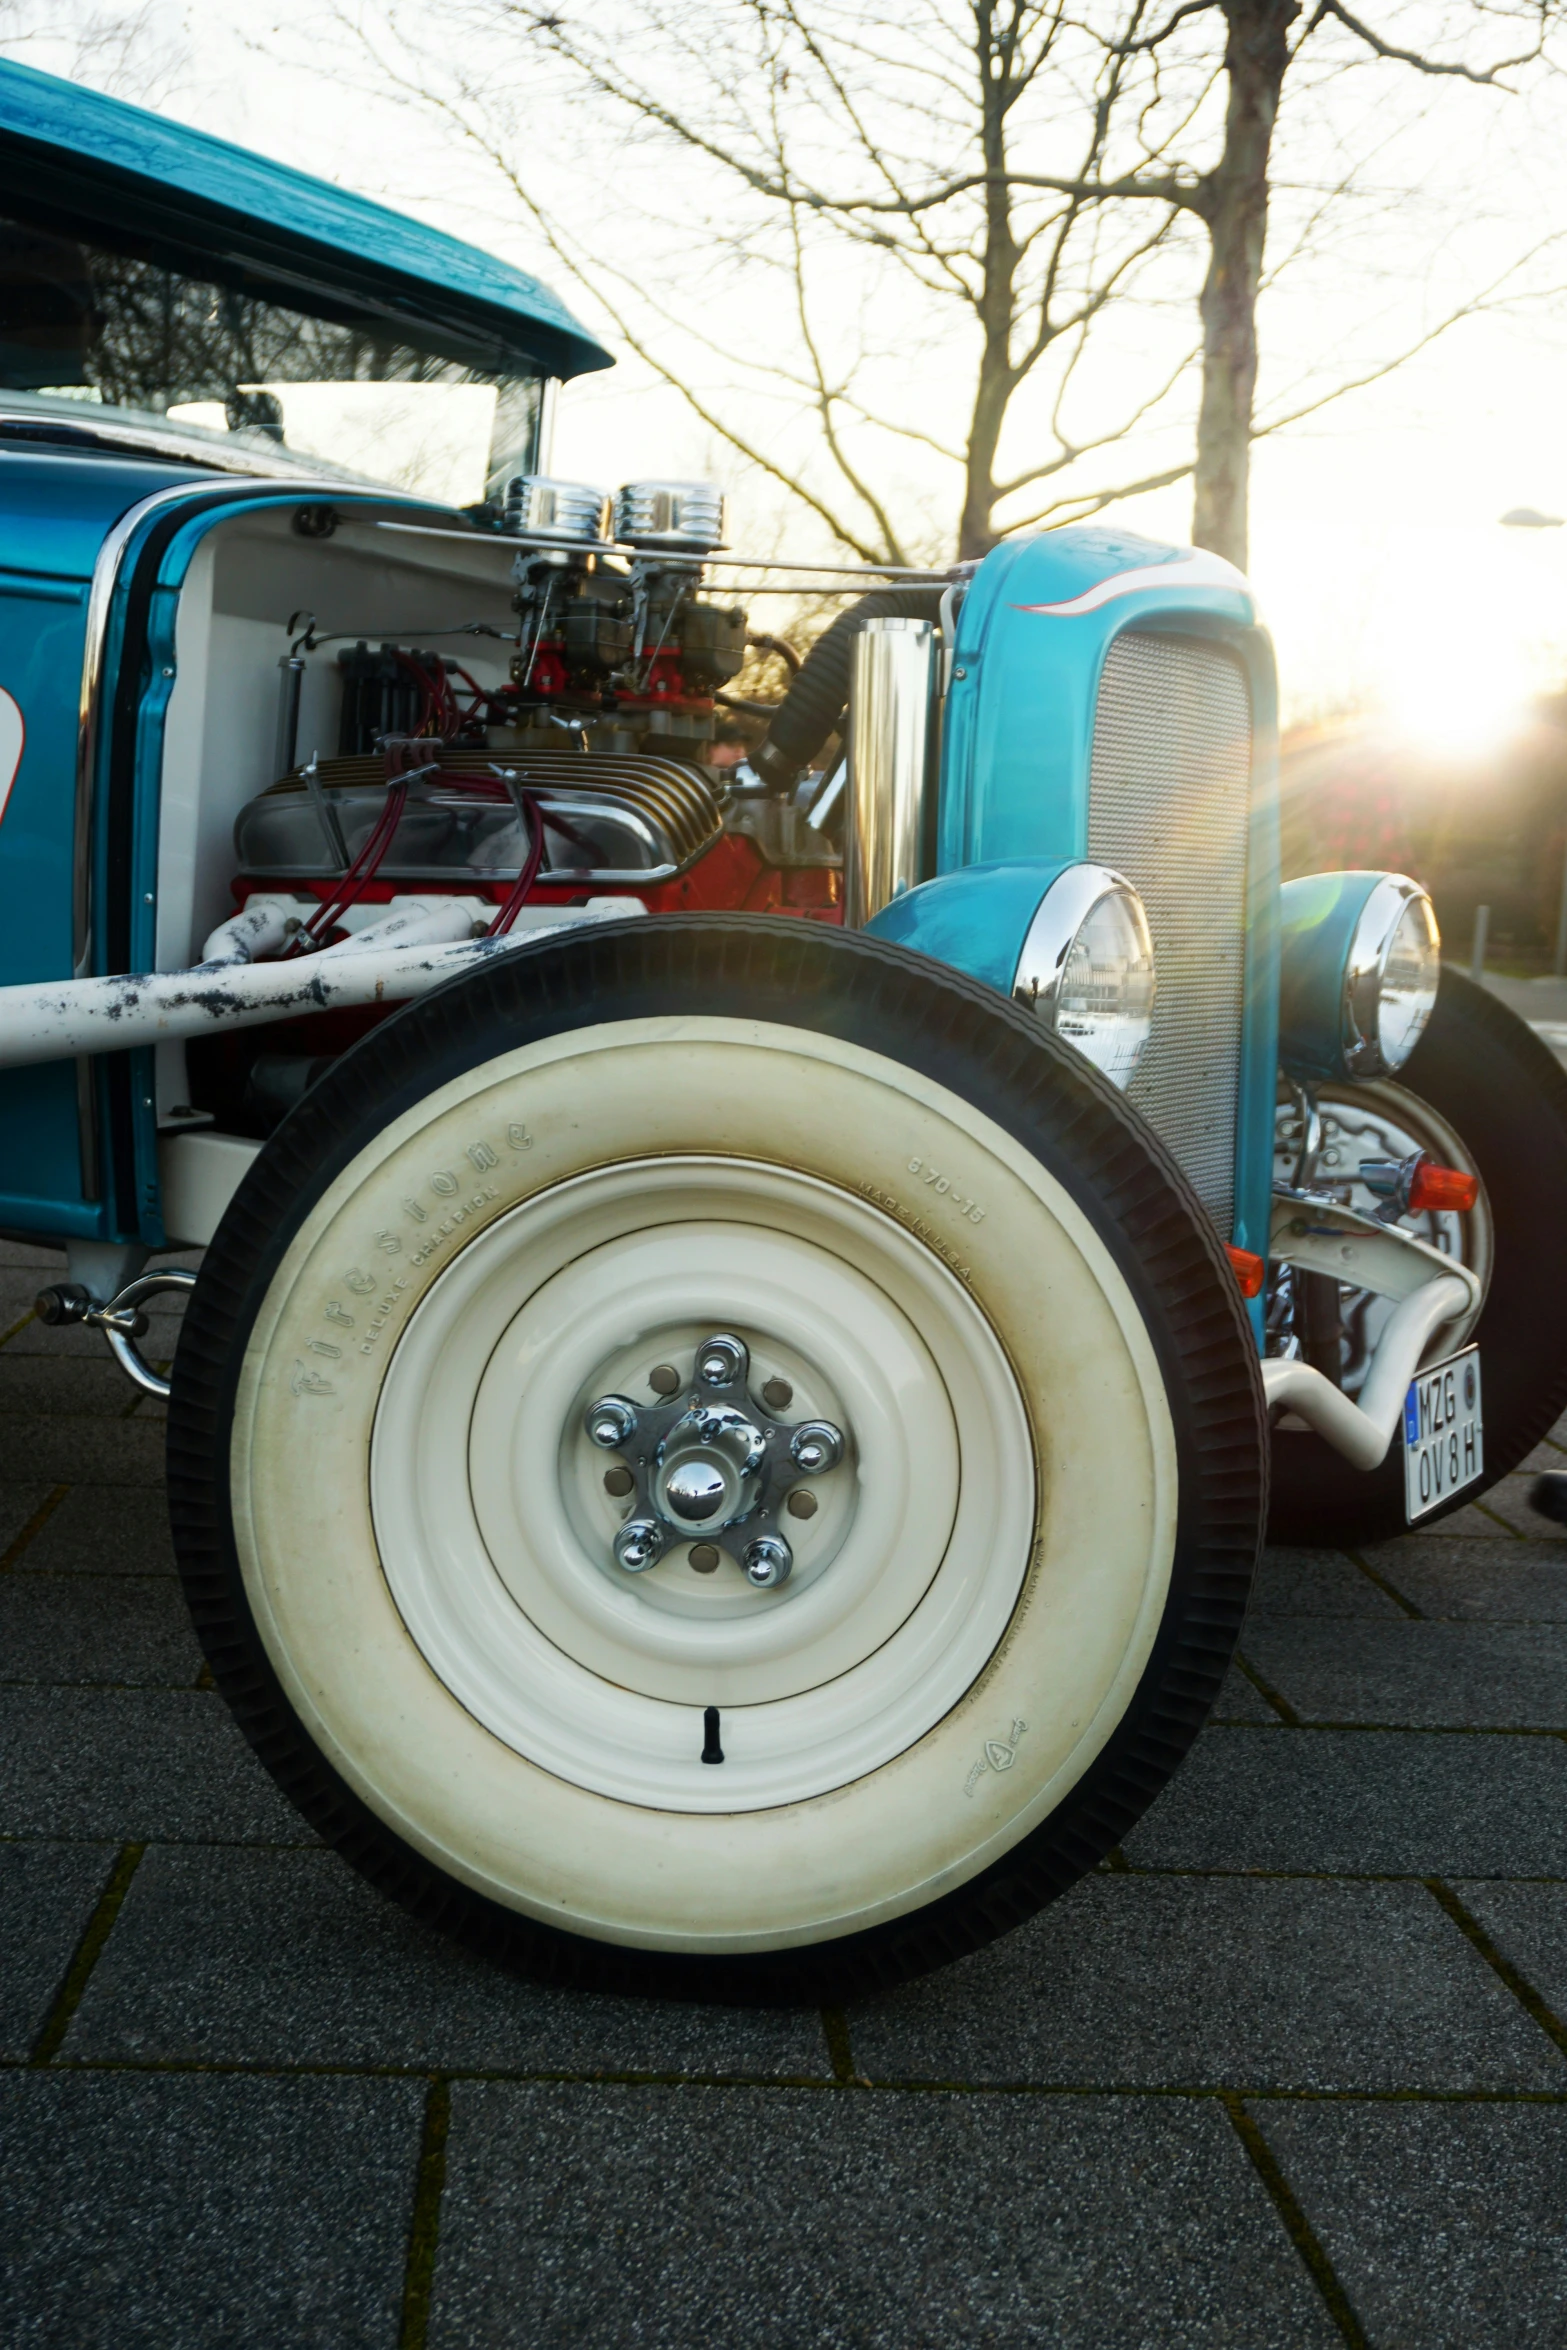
[
  {"x": 1149, "y": 41},
  {"x": 1473, "y": 308},
  {"x": 1374, "y": 42},
  {"x": 824, "y": 409},
  {"x": 1078, "y": 509},
  {"x": 1071, "y": 451}
]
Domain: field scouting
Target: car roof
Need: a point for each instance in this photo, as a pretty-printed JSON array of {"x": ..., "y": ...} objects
[{"x": 77, "y": 156}]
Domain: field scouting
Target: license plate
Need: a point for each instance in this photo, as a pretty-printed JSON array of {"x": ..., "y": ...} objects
[{"x": 1444, "y": 1441}]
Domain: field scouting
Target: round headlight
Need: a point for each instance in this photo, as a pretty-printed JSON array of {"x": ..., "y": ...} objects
[
  {"x": 1087, "y": 968},
  {"x": 1390, "y": 977}
]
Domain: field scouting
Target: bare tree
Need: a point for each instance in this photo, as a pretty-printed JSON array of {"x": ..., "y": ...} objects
[
  {"x": 1031, "y": 192},
  {"x": 1259, "y": 45},
  {"x": 844, "y": 150},
  {"x": 127, "y": 47}
]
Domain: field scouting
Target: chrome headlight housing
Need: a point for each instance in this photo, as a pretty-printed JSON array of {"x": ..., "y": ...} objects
[
  {"x": 1358, "y": 969},
  {"x": 1087, "y": 968},
  {"x": 1390, "y": 977}
]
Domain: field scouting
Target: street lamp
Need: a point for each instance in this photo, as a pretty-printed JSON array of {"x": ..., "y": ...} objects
[{"x": 1530, "y": 518}]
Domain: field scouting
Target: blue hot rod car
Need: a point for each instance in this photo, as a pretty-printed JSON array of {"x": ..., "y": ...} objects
[{"x": 758, "y": 1265}]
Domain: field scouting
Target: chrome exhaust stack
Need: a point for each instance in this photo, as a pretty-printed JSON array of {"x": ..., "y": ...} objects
[{"x": 891, "y": 696}]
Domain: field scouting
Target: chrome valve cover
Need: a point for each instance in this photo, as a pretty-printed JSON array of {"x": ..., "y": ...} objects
[{"x": 607, "y": 817}]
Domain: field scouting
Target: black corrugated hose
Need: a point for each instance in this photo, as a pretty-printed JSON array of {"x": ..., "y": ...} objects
[{"x": 819, "y": 695}]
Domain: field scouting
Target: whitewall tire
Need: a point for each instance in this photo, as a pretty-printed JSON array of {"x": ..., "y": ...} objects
[{"x": 1008, "y": 1597}]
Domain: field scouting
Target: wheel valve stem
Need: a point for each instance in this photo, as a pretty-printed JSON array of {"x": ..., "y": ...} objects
[{"x": 712, "y": 1752}]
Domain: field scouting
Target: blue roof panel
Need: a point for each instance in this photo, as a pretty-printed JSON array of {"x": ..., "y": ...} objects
[{"x": 267, "y": 215}]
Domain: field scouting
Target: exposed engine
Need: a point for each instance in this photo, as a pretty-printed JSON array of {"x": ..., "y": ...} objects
[
  {"x": 605, "y": 762},
  {"x": 582, "y": 751}
]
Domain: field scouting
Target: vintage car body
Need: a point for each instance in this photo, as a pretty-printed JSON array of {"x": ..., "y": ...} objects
[
  {"x": 224, "y": 739},
  {"x": 77, "y": 521},
  {"x": 1025, "y": 704},
  {"x": 1036, "y": 641}
]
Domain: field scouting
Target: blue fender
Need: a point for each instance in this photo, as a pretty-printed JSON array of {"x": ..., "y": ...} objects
[
  {"x": 975, "y": 920},
  {"x": 1317, "y": 919}
]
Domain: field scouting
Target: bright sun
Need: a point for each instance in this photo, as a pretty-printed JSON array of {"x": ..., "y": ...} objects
[
  {"x": 1462, "y": 694},
  {"x": 1447, "y": 635}
]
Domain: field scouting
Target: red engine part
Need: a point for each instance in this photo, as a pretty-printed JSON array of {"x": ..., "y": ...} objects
[
  {"x": 666, "y": 681},
  {"x": 547, "y": 677},
  {"x": 732, "y": 877}
]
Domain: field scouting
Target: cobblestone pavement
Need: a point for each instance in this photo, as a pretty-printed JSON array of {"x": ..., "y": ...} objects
[{"x": 1290, "y": 2070}]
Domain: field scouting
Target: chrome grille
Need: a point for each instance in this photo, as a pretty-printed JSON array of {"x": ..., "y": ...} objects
[{"x": 1168, "y": 806}]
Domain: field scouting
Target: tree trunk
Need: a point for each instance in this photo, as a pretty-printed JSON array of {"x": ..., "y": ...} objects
[
  {"x": 976, "y": 531},
  {"x": 998, "y": 295},
  {"x": 1235, "y": 206}
]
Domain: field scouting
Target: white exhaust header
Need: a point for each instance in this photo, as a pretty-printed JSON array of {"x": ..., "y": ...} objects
[{"x": 64, "y": 1018}]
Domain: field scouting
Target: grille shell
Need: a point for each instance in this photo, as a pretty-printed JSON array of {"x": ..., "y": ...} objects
[{"x": 1169, "y": 806}]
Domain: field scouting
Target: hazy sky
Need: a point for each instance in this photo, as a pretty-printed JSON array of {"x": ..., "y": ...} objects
[{"x": 1377, "y": 550}]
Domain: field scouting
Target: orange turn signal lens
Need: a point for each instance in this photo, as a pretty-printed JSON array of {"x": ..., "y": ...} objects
[
  {"x": 1442, "y": 1187},
  {"x": 1250, "y": 1271}
]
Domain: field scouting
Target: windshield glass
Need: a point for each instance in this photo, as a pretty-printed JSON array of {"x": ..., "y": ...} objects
[{"x": 82, "y": 321}]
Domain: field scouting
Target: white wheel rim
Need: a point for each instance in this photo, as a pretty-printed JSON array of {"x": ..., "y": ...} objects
[{"x": 494, "y": 1529}]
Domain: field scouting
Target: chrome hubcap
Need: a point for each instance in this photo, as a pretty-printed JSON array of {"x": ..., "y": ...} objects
[{"x": 712, "y": 1460}]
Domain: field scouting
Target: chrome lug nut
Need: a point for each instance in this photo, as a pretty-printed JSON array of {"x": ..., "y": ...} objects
[
  {"x": 639, "y": 1545},
  {"x": 767, "y": 1561},
  {"x": 611, "y": 1422},
  {"x": 816, "y": 1446},
  {"x": 721, "y": 1360}
]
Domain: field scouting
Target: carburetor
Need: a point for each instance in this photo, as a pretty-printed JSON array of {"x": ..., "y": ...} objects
[{"x": 616, "y": 644}]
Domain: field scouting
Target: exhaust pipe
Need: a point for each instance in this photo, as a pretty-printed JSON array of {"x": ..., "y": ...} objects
[
  {"x": 890, "y": 698},
  {"x": 1363, "y": 1432},
  {"x": 65, "y": 1018}
]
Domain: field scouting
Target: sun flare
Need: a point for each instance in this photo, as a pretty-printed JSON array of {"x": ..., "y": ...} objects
[{"x": 1457, "y": 697}]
